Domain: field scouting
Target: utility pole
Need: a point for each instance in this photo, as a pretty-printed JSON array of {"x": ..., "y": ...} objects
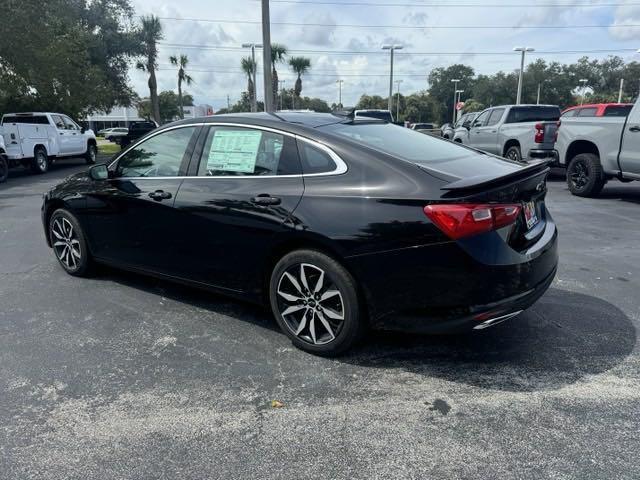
[
  {"x": 620, "y": 92},
  {"x": 455, "y": 95},
  {"x": 228, "y": 103},
  {"x": 254, "y": 97},
  {"x": 266, "y": 57},
  {"x": 523, "y": 50},
  {"x": 339, "y": 82},
  {"x": 538, "y": 97},
  {"x": 281, "y": 82},
  {"x": 391, "y": 49},
  {"x": 398, "y": 100},
  {"x": 584, "y": 82}
]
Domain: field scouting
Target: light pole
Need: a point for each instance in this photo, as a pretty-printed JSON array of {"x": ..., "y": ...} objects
[
  {"x": 391, "y": 48},
  {"x": 398, "y": 100},
  {"x": 523, "y": 50},
  {"x": 584, "y": 82},
  {"x": 281, "y": 82},
  {"x": 254, "y": 97},
  {"x": 538, "y": 97},
  {"x": 620, "y": 92},
  {"x": 455, "y": 95},
  {"x": 340, "y": 82},
  {"x": 266, "y": 57},
  {"x": 458, "y": 95}
]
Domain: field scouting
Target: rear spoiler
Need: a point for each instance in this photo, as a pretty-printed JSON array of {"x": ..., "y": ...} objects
[{"x": 483, "y": 181}]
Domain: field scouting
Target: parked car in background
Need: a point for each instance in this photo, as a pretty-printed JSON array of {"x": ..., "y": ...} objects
[
  {"x": 374, "y": 113},
  {"x": 37, "y": 139},
  {"x": 517, "y": 132},
  {"x": 4, "y": 163},
  {"x": 598, "y": 110},
  {"x": 462, "y": 126},
  {"x": 447, "y": 131},
  {"x": 598, "y": 149},
  {"x": 424, "y": 127},
  {"x": 135, "y": 131},
  {"x": 104, "y": 131},
  {"x": 115, "y": 133},
  {"x": 336, "y": 223}
]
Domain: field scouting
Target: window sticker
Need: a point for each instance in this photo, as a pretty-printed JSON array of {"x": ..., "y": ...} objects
[{"x": 234, "y": 150}]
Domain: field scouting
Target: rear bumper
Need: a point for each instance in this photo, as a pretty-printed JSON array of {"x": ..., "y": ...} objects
[
  {"x": 543, "y": 153},
  {"x": 455, "y": 286}
]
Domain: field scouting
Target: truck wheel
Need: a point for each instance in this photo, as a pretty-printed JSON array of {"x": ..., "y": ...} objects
[
  {"x": 40, "y": 162},
  {"x": 513, "y": 153},
  {"x": 92, "y": 154},
  {"x": 4, "y": 169},
  {"x": 585, "y": 177}
]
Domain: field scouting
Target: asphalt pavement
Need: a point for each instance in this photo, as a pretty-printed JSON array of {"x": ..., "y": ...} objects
[{"x": 125, "y": 377}]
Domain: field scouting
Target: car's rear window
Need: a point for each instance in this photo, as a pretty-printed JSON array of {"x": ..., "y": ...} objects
[
  {"x": 400, "y": 142},
  {"x": 617, "y": 110},
  {"x": 30, "y": 119},
  {"x": 587, "y": 112},
  {"x": 533, "y": 113}
]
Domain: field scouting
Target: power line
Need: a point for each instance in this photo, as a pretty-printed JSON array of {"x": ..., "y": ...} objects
[
  {"x": 410, "y": 27},
  {"x": 459, "y": 5}
]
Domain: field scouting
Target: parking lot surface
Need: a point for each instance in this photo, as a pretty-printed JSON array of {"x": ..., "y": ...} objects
[{"x": 122, "y": 376}]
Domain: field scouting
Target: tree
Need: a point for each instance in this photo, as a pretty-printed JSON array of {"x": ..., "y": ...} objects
[
  {"x": 248, "y": 67},
  {"x": 168, "y": 105},
  {"x": 372, "y": 102},
  {"x": 300, "y": 66},
  {"x": 441, "y": 88},
  {"x": 70, "y": 57},
  {"x": 421, "y": 107},
  {"x": 181, "y": 63},
  {"x": 150, "y": 35},
  {"x": 278, "y": 52}
]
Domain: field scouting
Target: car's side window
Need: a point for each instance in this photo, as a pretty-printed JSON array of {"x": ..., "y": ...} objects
[
  {"x": 245, "y": 151},
  {"x": 587, "y": 112},
  {"x": 162, "y": 155},
  {"x": 315, "y": 160},
  {"x": 569, "y": 113},
  {"x": 481, "y": 119},
  {"x": 69, "y": 124},
  {"x": 495, "y": 117},
  {"x": 58, "y": 122}
]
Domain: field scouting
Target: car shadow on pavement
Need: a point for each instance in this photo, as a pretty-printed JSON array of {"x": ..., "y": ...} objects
[
  {"x": 564, "y": 337},
  {"x": 625, "y": 193}
]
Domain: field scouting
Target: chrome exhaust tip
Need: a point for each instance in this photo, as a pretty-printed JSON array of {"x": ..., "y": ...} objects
[{"x": 494, "y": 321}]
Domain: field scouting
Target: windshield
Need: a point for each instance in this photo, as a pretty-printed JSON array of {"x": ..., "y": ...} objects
[{"x": 400, "y": 142}]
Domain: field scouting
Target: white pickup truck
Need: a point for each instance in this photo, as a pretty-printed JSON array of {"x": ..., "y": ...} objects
[
  {"x": 37, "y": 139},
  {"x": 517, "y": 132},
  {"x": 597, "y": 149}
]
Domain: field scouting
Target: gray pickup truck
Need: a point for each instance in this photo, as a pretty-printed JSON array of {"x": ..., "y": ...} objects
[
  {"x": 517, "y": 132},
  {"x": 598, "y": 149}
]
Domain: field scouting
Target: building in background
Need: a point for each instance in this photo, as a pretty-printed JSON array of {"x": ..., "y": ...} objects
[{"x": 122, "y": 116}]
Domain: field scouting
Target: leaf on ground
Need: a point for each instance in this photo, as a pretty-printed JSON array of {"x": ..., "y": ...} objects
[{"x": 276, "y": 404}]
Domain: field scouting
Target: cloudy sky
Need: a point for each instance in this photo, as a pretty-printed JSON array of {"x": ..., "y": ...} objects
[{"x": 211, "y": 33}]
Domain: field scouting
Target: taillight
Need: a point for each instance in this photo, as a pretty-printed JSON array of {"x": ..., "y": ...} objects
[
  {"x": 465, "y": 219},
  {"x": 539, "y": 138}
]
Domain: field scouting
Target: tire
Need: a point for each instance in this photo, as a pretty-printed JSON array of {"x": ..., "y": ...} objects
[
  {"x": 75, "y": 261},
  {"x": 4, "y": 169},
  {"x": 325, "y": 327},
  {"x": 513, "y": 153},
  {"x": 92, "y": 154},
  {"x": 40, "y": 162},
  {"x": 457, "y": 140},
  {"x": 585, "y": 177}
]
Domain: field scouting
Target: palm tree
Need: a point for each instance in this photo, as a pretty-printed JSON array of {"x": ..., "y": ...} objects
[
  {"x": 181, "y": 63},
  {"x": 278, "y": 52},
  {"x": 150, "y": 35},
  {"x": 300, "y": 66},
  {"x": 248, "y": 66}
]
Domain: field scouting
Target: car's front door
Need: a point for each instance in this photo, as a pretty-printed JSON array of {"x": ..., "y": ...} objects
[
  {"x": 244, "y": 189},
  {"x": 630, "y": 151},
  {"x": 76, "y": 139},
  {"x": 132, "y": 219},
  {"x": 65, "y": 142},
  {"x": 476, "y": 132}
]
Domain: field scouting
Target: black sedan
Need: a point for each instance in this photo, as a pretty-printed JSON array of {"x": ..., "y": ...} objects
[{"x": 337, "y": 223}]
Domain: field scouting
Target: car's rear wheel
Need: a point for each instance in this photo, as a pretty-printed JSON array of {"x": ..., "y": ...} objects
[
  {"x": 585, "y": 177},
  {"x": 513, "y": 153},
  {"x": 92, "y": 154},
  {"x": 40, "y": 160},
  {"x": 69, "y": 243},
  {"x": 316, "y": 303},
  {"x": 4, "y": 169}
]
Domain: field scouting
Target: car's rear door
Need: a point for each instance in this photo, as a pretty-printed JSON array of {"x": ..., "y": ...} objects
[
  {"x": 241, "y": 196},
  {"x": 630, "y": 150},
  {"x": 131, "y": 215}
]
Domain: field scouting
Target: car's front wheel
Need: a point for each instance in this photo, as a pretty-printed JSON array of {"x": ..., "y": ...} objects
[
  {"x": 316, "y": 303},
  {"x": 69, "y": 243},
  {"x": 92, "y": 154}
]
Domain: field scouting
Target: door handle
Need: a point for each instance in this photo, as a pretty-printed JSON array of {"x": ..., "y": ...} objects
[
  {"x": 635, "y": 128},
  {"x": 159, "y": 195},
  {"x": 265, "y": 200}
]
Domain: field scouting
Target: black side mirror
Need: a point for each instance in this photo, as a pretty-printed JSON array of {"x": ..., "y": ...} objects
[
  {"x": 467, "y": 125},
  {"x": 82, "y": 130},
  {"x": 99, "y": 172}
]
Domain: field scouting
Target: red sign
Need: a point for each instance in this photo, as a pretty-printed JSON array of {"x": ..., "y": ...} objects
[{"x": 459, "y": 106}]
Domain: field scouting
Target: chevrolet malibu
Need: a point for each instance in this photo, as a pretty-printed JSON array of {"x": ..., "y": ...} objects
[{"x": 337, "y": 223}]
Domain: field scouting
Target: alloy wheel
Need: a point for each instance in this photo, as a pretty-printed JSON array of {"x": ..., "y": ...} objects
[
  {"x": 310, "y": 304},
  {"x": 512, "y": 154},
  {"x": 92, "y": 154},
  {"x": 66, "y": 243},
  {"x": 579, "y": 175},
  {"x": 41, "y": 160}
]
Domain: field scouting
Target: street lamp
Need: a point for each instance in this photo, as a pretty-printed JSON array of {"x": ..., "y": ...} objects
[
  {"x": 523, "y": 50},
  {"x": 584, "y": 82},
  {"x": 254, "y": 99},
  {"x": 455, "y": 95},
  {"x": 391, "y": 48},
  {"x": 398, "y": 100},
  {"x": 340, "y": 82},
  {"x": 458, "y": 93}
]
